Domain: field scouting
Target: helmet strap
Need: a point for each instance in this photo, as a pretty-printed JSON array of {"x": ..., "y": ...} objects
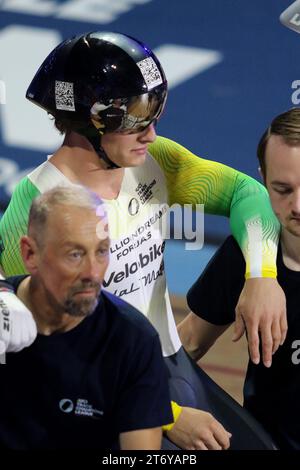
[
  {"x": 95, "y": 140},
  {"x": 94, "y": 137}
]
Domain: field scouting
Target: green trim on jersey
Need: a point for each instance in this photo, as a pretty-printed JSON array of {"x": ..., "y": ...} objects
[{"x": 13, "y": 225}]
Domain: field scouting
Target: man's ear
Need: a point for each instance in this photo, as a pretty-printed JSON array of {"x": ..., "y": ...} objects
[
  {"x": 261, "y": 175},
  {"x": 29, "y": 252}
]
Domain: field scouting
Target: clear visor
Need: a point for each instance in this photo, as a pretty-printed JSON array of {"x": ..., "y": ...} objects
[{"x": 128, "y": 115}]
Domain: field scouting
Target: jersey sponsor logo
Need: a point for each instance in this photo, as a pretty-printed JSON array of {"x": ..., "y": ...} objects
[
  {"x": 81, "y": 408},
  {"x": 133, "y": 206},
  {"x": 5, "y": 316},
  {"x": 133, "y": 237},
  {"x": 4, "y": 313},
  {"x": 128, "y": 290},
  {"x": 138, "y": 273},
  {"x": 125, "y": 248},
  {"x": 138, "y": 237},
  {"x": 144, "y": 259},
  {"x": 144, "y": 191},
  {"x": 66, "y": 405},
  {"x": 153, "y": 275}
]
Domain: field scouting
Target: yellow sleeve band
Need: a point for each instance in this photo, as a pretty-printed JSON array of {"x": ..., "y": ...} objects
[
  {"x": 265, "y": 273},
  {"x": 176, "y": 410}
]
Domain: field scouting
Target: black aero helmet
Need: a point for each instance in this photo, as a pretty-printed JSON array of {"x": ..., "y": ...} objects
[{"x": 101, "y": 82}]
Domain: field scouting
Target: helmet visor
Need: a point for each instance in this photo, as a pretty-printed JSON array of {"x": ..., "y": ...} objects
[{"x": 128, "y": 115}]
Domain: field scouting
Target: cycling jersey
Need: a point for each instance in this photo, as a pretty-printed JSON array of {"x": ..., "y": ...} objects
[{"x": 137, "y": 224}]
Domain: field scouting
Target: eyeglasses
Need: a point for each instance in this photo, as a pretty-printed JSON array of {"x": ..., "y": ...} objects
[{"x": 129, "y": 115}]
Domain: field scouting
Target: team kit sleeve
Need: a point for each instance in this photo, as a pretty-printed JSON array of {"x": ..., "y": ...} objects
[
  {"x": 13, "y": 226},
  {"x": 223, "y": 191},
  {"x": 144, "y": 400}
]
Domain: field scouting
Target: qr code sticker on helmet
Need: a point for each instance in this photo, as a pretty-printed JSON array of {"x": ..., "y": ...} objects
[
  {"x": 64, "y": 96},
  {"x": 150, "y": 72}
]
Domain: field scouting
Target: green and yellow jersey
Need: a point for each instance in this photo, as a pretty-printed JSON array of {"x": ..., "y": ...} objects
[
  {"x": 223, "y": 191},
  {"x": 171, "y": 174}
]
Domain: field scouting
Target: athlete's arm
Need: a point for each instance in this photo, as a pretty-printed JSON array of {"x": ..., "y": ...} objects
[
  {"x": 198, "y": 430},
  {"x": 13, "y": 225},
  {"x": 225, "y": 191},
  {"x": 198, "y": 335}
]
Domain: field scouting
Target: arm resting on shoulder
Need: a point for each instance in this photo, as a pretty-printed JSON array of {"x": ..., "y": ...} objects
[{"x": 225, "y": 191}]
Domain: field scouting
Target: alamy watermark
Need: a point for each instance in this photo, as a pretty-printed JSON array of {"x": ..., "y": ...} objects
[
  {"x": 159, "y": 221},
  {"x": 295, "y": 97},
  {"x": 296, "y": 354},
  {"x": 2, "y": 92}
]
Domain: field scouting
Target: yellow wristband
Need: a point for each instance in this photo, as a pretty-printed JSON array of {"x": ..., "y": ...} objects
[{"x": 176, "y": 410}]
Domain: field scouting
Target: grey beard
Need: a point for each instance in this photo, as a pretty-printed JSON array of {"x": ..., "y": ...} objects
[{"x": 81, "y": 308}]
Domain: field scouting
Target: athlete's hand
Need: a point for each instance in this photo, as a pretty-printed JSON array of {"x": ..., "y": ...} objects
[
  {"x": 261, "y": 310},
  {"x": 17, "y": 326},
  {"x": 198, "y": 430}
]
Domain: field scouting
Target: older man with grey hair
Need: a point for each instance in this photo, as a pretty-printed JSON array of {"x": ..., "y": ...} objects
[{"x": 96, "y": 361}]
